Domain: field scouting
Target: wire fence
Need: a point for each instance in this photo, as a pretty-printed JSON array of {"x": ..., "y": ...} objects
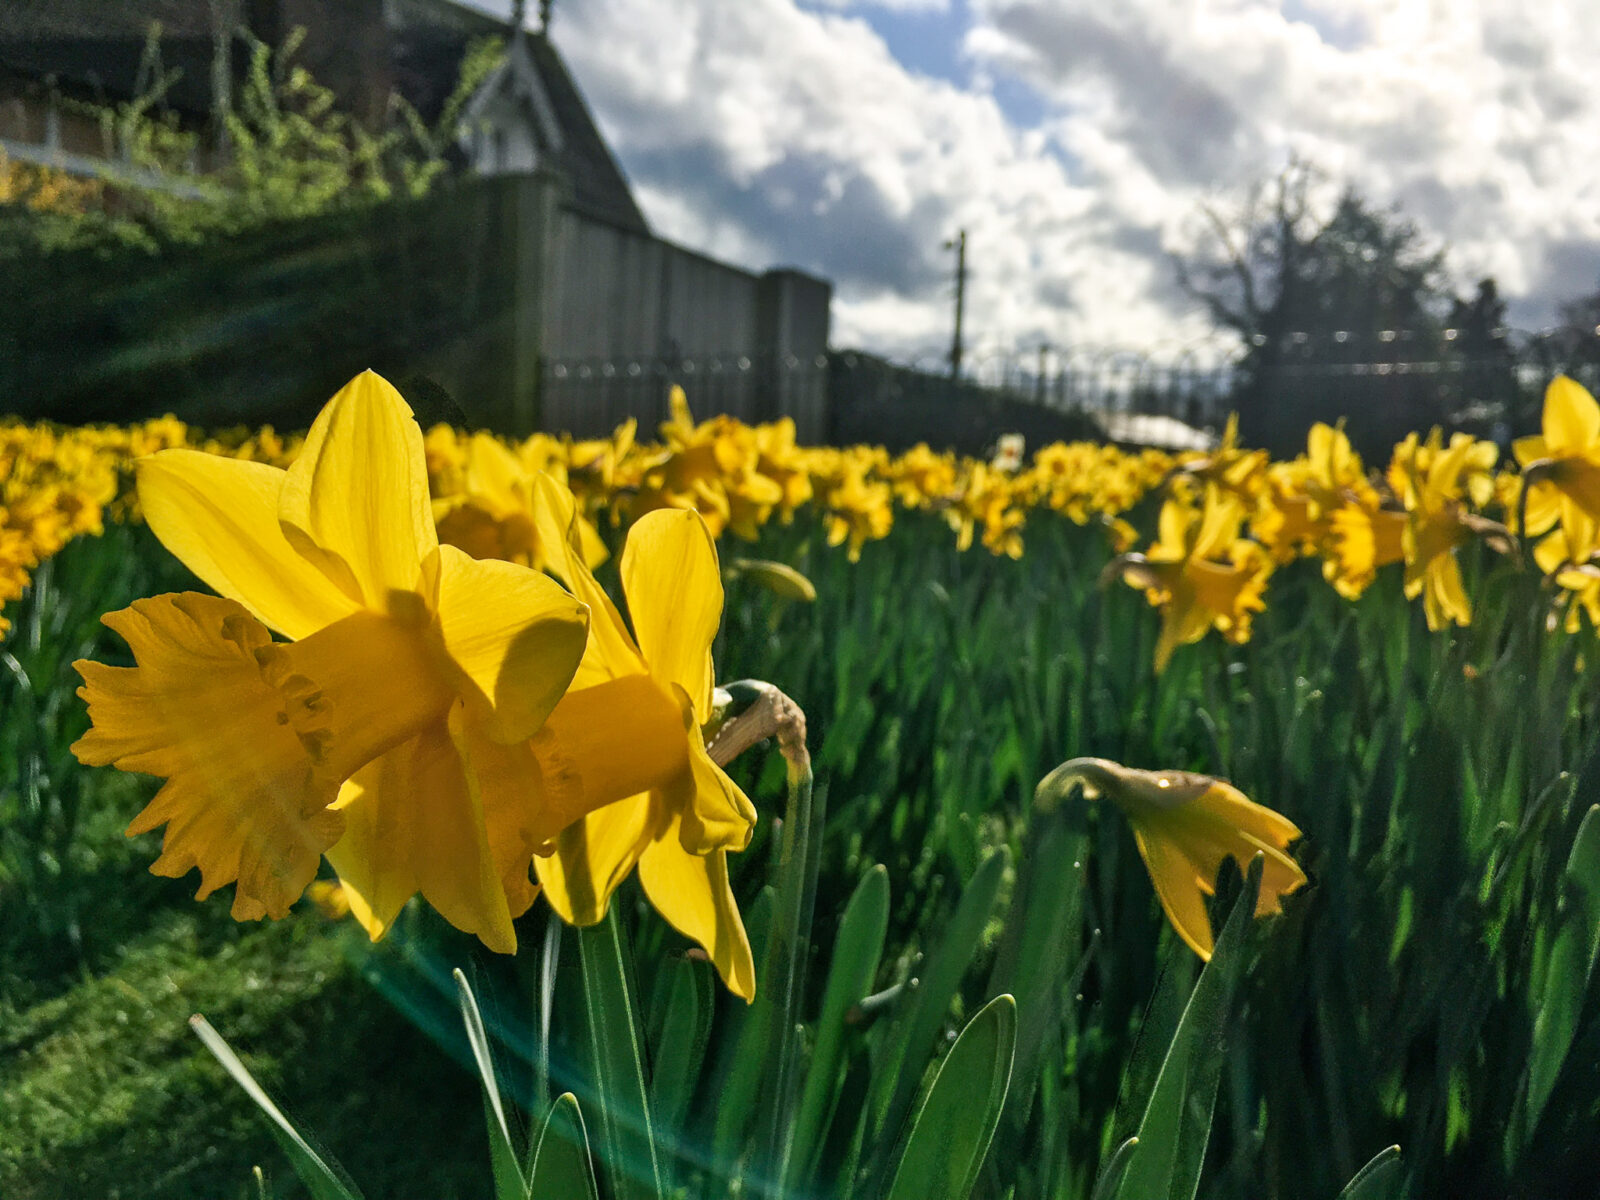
[
  {"x": 591, "y": 397},
  {"x": 847, "y": 396}
]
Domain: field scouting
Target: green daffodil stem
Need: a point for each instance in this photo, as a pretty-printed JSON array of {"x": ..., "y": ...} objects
[{"x": 756, "y": 711}]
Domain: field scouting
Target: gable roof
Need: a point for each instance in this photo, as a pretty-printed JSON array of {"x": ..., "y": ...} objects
[{"x": 430, "y": 38}]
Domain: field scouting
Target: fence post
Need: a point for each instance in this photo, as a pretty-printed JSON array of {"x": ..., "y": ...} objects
[
  {"x": 531, "y": 226},
  {"x": 792, "y": 317}
]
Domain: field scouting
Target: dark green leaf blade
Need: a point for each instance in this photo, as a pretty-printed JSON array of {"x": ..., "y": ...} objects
[{"x": 957, "y": 1120}]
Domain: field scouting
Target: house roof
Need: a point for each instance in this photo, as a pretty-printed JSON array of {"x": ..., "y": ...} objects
[
  {"x": 103, "y": 18},
  {"x": 430, "y": 38},
  {"x": 95, "y": 48},
  {"x": 598, "y": 183},
  {"x": 113, "y": 68}
]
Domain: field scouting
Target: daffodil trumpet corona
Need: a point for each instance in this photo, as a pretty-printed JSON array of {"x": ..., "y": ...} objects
[{"x": 1185, "y": 825}]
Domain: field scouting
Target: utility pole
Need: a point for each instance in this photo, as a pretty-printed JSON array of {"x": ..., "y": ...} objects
[
  {"x": 1039, "y": 385},
  {"x": 544, "y": 17},
  {"x": 960, "y": 247}
]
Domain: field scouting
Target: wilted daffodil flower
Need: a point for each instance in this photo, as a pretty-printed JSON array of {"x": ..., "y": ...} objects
[
  {"x": 1185, "y": 825},
  {"x": 682, "y": 815},
  {"x": 409, "y": 670}
]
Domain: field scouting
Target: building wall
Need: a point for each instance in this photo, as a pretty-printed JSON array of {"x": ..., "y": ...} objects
[{"x": 627, "y": 314}]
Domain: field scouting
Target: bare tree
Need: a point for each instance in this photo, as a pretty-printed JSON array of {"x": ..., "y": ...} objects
[{"x": 1329, "y": 300}]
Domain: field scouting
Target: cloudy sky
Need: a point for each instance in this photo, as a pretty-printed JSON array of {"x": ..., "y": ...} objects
[{"x": 1075, "y": 141}]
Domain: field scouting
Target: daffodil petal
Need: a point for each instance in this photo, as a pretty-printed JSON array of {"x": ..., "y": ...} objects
[
  {"x": 1183, "y": 622},
  {"x": 714, "y": 811},
  {"x": 244, "y": 801},
  {"x": 1571, "y": 417},
  {"x": 593, "y": 856},
  {"x": 1529, "y": 449},
  {"x": 494, "y": 473},
  {"x": 1230, "y": 807},
  {"x": 1542, "y": 508},
  {"x": 515, "y": 635},
  {"x": 1219, "y": 523},
  {"x": 1206, "y": 837},
  {"x": 356, "y": 500},
  {"x": 1178, "y": 888},
  {"x": 611, "y": 651},
  {"x": 413, "y": 825},
  {"x": 1579, "y": 479},
  {"x": 1445, "y": 598},
  {"x": 692, "y": 892},
  {"x": 509, "y": 787},
  {"x": 590, "y": 544},
  {"x": 606, "y": 743},
  {"x": 674, "y": 590},
  {"x": 219, "y": 517}
]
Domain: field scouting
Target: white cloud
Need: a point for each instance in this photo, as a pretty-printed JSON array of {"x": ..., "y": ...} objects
[
  {"x": 904, "y": 6},
  {"x": 1477, "y": 119},
  {"x": 769, "y": 133}
]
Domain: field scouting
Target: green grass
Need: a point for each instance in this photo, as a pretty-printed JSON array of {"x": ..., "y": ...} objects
[{"x": 107, "y": 1092}]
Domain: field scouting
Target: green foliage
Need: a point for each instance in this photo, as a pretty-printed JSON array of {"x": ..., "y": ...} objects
[
  {"x": 857, "y": 951},
  {"x": 105, "y": 1092},
  {"x": 951, "y": 1131},
  {"x": 617, "y": 1057},
  {"x": 1432, "y": 988},
  {"x": 508, "y": 1181},
  {"x": 1170, "y": 1146},
  {"x": 63, "y": 864},
  {"x": 1380, "y": 1179},
  {"x": 561, "y": 1163},
  {"x": 284, "y": 152},
  {"x": 318, "y": 1176}
]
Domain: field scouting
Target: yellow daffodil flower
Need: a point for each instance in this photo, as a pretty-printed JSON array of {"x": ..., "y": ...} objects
[
  {"x": 597, "y": 469},
  {"x": 1434, "y": 482},
  {"x": 682, "y": 815},
  {"x": 1562, "y": 464},
  {"x": 412, "y": 672},
  {"x": 1362, "y": 536},
  {"x": 922, "y": 477},
  {"x": 859, "y": 509},
  {"x": 1574, "y": 571},
  {"x": 1185, "y": 825},
  {"x": 493, "y": 514},
  {"x": 1229, "y": 467},
  {"x": 1200, "y": 572},
  {"x": 1301, "y": 496},
  {"x": 711, "y": 467},
  {"x": 782, "y": 461}
]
